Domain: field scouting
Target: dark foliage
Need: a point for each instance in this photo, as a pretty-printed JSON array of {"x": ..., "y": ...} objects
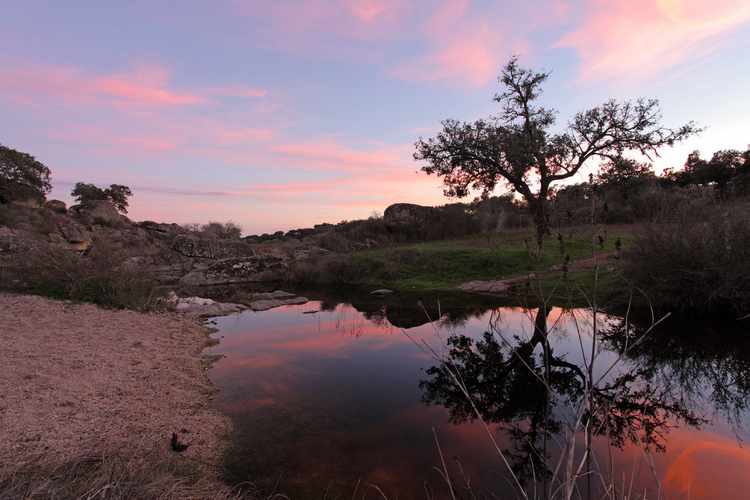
[
  {"x": 697, "y": 259},
  {"x": 117, "y": 194},
  {"x": 218, "y": 230},
  {"x": 504, "y": 378},
  {"x": 22, "y": 177},
  {"x": 102, "y": 276},
  {"x": 518, "y": 148}
]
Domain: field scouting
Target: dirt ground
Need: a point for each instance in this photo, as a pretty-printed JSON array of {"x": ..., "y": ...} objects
[{"x": 79, "y": 381}]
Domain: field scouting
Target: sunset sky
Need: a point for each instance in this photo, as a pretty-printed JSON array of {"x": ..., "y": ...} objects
[{"x": 282, "y": 114}]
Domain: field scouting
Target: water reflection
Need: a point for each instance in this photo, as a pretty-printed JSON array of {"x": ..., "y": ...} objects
[
  {"x": 534, "y": 393},
  {"x": 335, "y": 400}
]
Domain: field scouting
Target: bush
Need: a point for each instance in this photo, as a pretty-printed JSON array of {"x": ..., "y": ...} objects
[
  {"x": 695, "y": 262},
  {"x": 216, "y": 230},
  {"x": 103, "y": 277},
  {"x": 22, "y": 177}
]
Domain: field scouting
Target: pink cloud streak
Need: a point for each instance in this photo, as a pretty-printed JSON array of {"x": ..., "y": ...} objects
[
  {"x": 143, "y": 86},
  {"x": 627, "y": 37}
]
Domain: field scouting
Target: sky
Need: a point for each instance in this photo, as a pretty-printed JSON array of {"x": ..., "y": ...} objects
[{"x": 283, "y": 114}]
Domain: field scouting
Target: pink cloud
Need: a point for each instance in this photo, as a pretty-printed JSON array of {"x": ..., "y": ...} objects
[
  {"x": 99, "y": 138},
  {"x": 330, "y": 155},
  {"x": 462, "y": 46},
  {"x": 144, "y": 86},
  {"x": 471, "y": 58},
  {"x": 637, "y": 37}
]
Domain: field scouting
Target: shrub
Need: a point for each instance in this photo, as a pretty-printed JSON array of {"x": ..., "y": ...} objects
[
  {"x": 103, "y": 277},
  {"x": 695, "y": 262},
  {"x": 217, "y": 230}
]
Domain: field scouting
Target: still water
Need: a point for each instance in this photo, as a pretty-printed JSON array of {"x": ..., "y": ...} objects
[{"x": 334, "y": 400}]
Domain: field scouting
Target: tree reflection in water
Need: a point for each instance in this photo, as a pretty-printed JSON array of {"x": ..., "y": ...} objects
[{"x": 543, "y": 401}]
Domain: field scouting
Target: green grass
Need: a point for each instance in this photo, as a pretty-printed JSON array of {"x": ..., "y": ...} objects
[{"x": 443, "y": 265}]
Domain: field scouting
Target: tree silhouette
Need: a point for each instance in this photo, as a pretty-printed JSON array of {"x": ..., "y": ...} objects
[
  {"x": 22, "y": 176},
  {"x": 518, "y": 388},
  {"x": 518, "y": 147}
]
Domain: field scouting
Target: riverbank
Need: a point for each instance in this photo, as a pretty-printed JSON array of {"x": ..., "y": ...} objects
[
  {"x": 577, "y": 263},
  {"x": 89, "y": 394}
]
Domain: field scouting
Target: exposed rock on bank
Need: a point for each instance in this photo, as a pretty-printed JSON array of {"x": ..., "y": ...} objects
[{"x": 204, "y": 307}]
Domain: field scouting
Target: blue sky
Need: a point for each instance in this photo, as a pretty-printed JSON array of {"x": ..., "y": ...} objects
[{"x": 284, "y": 114}]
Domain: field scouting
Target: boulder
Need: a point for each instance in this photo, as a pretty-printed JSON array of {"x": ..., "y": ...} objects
[
  {"x": 57, "y": 206},
  {"x": 407, "y": 214},
  {"x": 202, "y": 307},
  {"x": 101, "y": 212}
]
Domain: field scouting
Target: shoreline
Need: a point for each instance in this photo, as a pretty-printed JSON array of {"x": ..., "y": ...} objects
[{"x": 78, "y": 381}]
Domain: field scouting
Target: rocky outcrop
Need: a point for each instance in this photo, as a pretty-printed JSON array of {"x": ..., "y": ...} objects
[
  {"x": 254, "y": 269},
  {"x": 74, "y": 234},
  {"x": 407, "y": 214},
  {"x": 167, "y": 252},
  {"x": 100, "y": 212}
]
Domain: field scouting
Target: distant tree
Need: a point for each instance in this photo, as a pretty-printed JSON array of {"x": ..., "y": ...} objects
[
  {"x": 624, "y": 175},
  {"x": 717, "y": 172},
  {"x": 117, "y": 194},
  {"x": 22, "y": 176},
  {"x": 518, "y": 148}
]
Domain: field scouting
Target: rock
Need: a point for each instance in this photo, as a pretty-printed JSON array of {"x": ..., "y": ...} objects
[
  {"x": 199, "y": 306},
  {"x": 57, "y": 206},
  {"x": 76, "y": 235},
  {"x": 381, "y": 292},
  {"x": 160, "y": 227},
  {"x": 491, "y": 287},
  {"x": 264, "y": 305},
  {"x": 101, "y": 212},
  {"x": 407, "y": 214},
  {"x": 8, "y": 240},
  {"x": 255, "y": 269}
]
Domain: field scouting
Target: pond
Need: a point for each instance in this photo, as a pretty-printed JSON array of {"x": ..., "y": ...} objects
[{"x": 405, "y": 399}]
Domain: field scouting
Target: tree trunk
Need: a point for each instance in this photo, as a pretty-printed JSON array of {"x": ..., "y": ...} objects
[{"x": 538, "y": 208}]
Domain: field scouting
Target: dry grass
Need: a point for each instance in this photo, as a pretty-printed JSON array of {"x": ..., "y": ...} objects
[
  {"x": 113, "y": 478},
  {"x": 89, "y": 399}
]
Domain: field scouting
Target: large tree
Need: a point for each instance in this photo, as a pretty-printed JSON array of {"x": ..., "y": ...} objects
[
  {"x": 519, "y": 148},
  {"x": 22, "y": 176}
]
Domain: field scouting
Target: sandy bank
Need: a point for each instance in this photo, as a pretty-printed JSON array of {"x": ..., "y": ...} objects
[{"x": 79, "y": 381}]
